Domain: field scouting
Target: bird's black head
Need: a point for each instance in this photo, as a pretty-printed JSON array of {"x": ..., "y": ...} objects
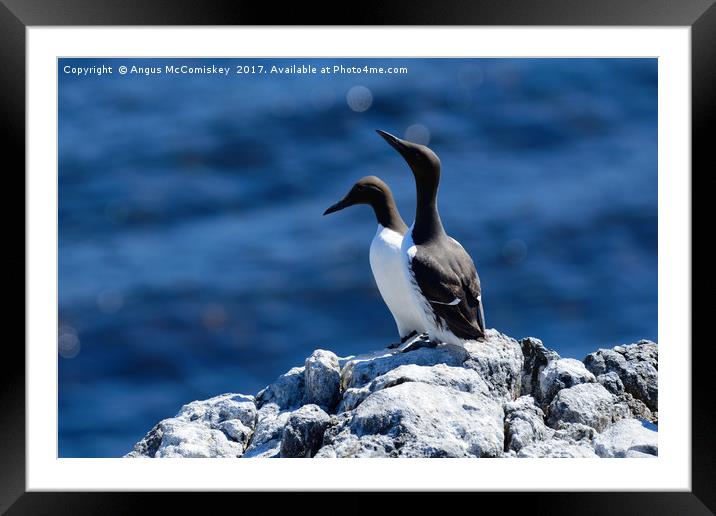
[
  {"x": 368, "y": 190},
  {"x": 422, "y": 161}
]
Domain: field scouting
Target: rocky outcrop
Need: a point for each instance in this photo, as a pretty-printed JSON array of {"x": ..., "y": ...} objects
[
  {"x": 303, "y": 433},
  {"x": 323, "y": 379},
  {"x": 535, "y": 358},
  {"x": 524, "y": 424},
  {"x": 588, "y": 404},
  {"x": 492, "y": 398},
  {"x": 217, "y": 427},
  {"x": 626, "y": 438},
  {"x": 631, "y": 373},
  {"x": 410, "y": 419},
  {"x": 562, "y": 374}
]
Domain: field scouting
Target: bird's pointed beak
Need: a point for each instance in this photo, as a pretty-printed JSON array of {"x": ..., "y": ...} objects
[
  {"x": 394, "y": 141},
  {"x": 337, "y": 207}
]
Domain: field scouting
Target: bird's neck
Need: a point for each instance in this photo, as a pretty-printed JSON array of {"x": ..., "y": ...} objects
[
  {"x": 388, "y": 216},
  {"x": 428, "y": 225}
]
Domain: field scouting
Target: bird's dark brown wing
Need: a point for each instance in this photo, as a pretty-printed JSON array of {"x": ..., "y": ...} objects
[{"x": 448, "y": 279}]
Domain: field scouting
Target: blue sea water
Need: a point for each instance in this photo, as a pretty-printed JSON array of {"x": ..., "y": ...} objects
[{"x": 194, "y": 260}]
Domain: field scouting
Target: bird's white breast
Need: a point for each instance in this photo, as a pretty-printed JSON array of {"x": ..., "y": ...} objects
[
  {"x": 386, "y": 262},
  {"x": 422, "y": 307}
]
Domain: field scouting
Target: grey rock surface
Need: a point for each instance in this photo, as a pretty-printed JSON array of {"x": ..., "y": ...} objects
[
  {"x": 303, "y": 433},
  {"x": 571, "y": 440},
  {"x": 587, "y": 403},
  {"x": 217, "y": 427},
  {"x": 627, "y": 406},
  {"x": 266, "y": 440},
  {"x": 323, "y": 379},
  {"x": 611, "y": 382},
  {"x": 624, "y": 437},
  {"x": 637, "y": 368},
  {"x": 575, "y": 433},
  {"x": 458, "y": 378},
  {"x": 633, "y": 454},
  {"x": 287, "y": 391},
  {"x": 556, "y": 448},
  {"x": 636, "y": 408},
  {"x": 535, "y": 358},
  {"x": 492, "y": 398},
  {"x": 498, "y": 360},
  {"x": 562, "y": 374},
  {"x": 363, "y": 369},
  {"x": 339, "y": 441},
  {"x": 176, "y": 438},
  {"x": 425, "y": 420},
  {"x": 524, "y": 424}
]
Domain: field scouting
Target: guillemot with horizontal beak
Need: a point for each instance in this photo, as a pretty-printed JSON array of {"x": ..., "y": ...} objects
[
  {"x": 443, "y": 277},
  {"x": 386, "y": 257}
]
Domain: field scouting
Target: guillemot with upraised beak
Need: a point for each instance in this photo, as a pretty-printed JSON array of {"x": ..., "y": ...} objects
[
  {"x": 386, "y": 257},
  {"x": 442, "y": 275}
]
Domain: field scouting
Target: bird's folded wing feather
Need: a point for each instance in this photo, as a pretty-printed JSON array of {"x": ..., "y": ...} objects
[{"x": 453, "y": 289}]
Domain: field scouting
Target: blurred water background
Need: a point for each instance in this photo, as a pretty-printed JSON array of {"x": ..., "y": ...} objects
[{"x": 194, "y": 260}]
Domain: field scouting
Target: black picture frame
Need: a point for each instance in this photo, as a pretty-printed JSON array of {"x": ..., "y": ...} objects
[{"x": 17, "y": 15}]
